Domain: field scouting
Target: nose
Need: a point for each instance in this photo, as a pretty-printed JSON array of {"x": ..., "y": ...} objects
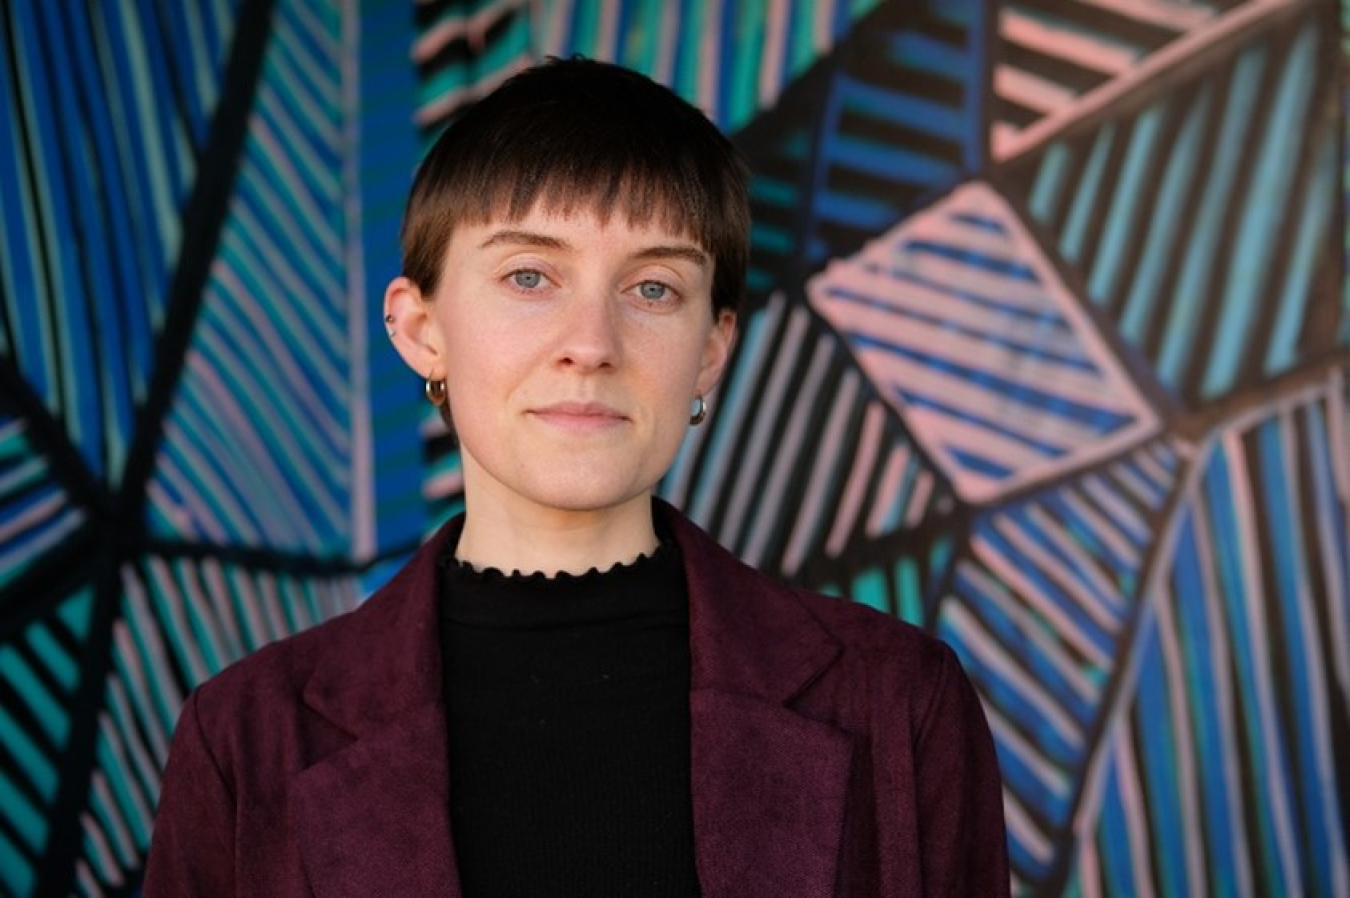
[{"x": 590, "y": 339}]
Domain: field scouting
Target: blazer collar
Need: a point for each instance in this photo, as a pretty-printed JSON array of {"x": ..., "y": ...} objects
[{"x": 768, "y": 783}]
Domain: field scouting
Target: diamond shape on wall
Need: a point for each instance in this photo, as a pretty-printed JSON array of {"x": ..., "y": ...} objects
[{"x": 967, "y": 330}]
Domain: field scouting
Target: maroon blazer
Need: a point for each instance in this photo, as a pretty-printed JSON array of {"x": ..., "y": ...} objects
[{"x": 835, "y": 751}]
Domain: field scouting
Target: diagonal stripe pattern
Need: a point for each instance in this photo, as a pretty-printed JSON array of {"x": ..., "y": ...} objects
[
  {"x": 1203, "y": 223},
  {"x": 963, "y": 326},
  {"x": 104, "y": 113},
  {"x": 266, "y": 386},
  {"x": 36, "y": 513},
  {"x": 182, "y": 620},
  {"x": 1040, "y": 608},
  {"x": 766, "y": 482},
  {"x": 891, "y": 117},
  {"x": 1061, "y": 62},
  {"x": 40, "y": 669},
  {"x": 1227, "y": 745}
]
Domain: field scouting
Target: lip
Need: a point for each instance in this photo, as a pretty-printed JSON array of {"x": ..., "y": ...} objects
[{"x": 588, "y": 416}]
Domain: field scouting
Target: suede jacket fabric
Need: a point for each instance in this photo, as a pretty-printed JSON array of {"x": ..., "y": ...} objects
[{"x": 835, "y": 751}]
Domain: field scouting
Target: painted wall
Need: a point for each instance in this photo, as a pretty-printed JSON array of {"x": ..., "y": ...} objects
[{"x": 1047, "y": 349}]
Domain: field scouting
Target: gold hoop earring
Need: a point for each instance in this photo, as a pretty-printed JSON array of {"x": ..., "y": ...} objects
[
  {"x": 700, "y": 411},
  {"x": 435, "y": 392}
]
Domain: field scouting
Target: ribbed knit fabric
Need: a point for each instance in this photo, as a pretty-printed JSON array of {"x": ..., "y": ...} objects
[{"x": 568, "y": 707}]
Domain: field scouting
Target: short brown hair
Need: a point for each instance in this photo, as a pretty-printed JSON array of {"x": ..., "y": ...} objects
[{"x": 578, "y": 133}]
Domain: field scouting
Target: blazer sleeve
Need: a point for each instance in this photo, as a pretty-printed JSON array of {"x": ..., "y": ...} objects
[
  {"x": 963, "y": 842},
  {"x": 192, "y": 846}
]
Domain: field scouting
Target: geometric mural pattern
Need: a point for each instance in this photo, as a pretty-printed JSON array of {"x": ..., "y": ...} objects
[
  {"x": 180, "y": 402},
  {"x": 1046, "y": 349}
]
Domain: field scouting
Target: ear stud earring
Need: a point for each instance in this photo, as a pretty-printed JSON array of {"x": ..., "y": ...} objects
[{"x": 700, "y": 411}]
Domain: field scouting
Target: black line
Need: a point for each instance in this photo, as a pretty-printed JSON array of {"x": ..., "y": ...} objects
[{"x": 203, "y": 220}]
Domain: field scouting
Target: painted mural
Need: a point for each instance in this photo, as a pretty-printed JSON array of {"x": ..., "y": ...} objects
[{"x": 1047, "y": 349}]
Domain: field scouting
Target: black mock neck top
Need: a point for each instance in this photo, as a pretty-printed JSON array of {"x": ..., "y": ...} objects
[{"x": 567, "y": 701}]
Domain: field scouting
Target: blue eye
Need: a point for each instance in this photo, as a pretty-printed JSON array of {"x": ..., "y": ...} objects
[
  {"x": 653, "y": 290},
  {"x": 527, "y": 279}
]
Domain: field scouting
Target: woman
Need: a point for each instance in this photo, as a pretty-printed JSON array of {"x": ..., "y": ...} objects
[{"x": 571, "y": 689}]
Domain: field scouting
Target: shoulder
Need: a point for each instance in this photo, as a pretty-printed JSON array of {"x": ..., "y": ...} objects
[
  {"x": 274, "y": 672},
  {"x": 872, "y": 640},
  {"x": 388, "y": 626}
]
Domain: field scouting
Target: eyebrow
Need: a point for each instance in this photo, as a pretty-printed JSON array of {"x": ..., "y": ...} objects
[{"x": 685, "y": 251}]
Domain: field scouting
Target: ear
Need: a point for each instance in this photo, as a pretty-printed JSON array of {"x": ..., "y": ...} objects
[
  {"x": 716, "y": 351},
  {"x": 407, "y": 316}
]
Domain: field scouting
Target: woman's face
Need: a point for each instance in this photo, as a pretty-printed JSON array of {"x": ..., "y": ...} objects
[{"x": 572, "y": 351}]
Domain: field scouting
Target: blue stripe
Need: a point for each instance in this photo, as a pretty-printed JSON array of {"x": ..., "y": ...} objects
[
  {"x": 1046, "y": 543},
  {"x": 1224, "y": 515},
  {"x": 1046, "y": 316},
  {"x": 1207, "y": 727},
  {"x": 1113, "y": 839},
  {"x": 995, "y": 335},
  {"x": 914, "y": 113},
  {"x": 1011, "y": 268},
  {"x": 1284, "y": 531},
  {"x": 1050, "y": 591},
  {"x": 1158, "y": 763},
  {"x": 1025, "y": 394},
  {"x": 925, "y": 53}
]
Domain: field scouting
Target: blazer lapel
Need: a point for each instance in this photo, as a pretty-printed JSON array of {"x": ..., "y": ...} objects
[
  {"x": 373, "y": 817},
  {"x": 769, "y": 784},
  {"x": 769, "y": 790}
]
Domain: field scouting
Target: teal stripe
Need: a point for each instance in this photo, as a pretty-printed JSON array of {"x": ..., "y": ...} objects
[
  {"x": 1161, "y": 238},
  {"x": 910, "y": 599},
  {"x": 1197, "y": 266},
  {"x": 1048, "y": 186},
  {"x": 801, "y": 36},
  {"x": 869, "y": 588},
  {"x": 1311, "y": 239},
  {"x": 688, "y": 51},
  {"x": 496, "y": 56},
  {"x": 639, "y": 46},
  {"x": 31, "y": 760},
  {"x": 1108, "y": 269},
  {"x": 77, "y": 612},
  {"x": 586, "y": 27},
  {"x": 16, "y": 872},
  {"x": 1263, "y": 202},
  {"x": 49, "y": 710},
  {"x": 744, "y": 69}
]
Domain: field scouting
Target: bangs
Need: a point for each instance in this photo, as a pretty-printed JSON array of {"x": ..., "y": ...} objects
[
  {"x": 575, "y": 137},
  {"x": 642, "y": 199}
]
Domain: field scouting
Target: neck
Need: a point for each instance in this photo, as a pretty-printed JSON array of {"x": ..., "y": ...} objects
[{"x": 554, "y": 541}]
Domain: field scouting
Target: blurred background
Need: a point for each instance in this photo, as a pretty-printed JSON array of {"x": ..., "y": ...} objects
[{"x": 1046, "y": 350}]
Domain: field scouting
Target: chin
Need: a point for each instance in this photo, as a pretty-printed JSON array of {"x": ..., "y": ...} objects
[{"x": 584, "y": 497}]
